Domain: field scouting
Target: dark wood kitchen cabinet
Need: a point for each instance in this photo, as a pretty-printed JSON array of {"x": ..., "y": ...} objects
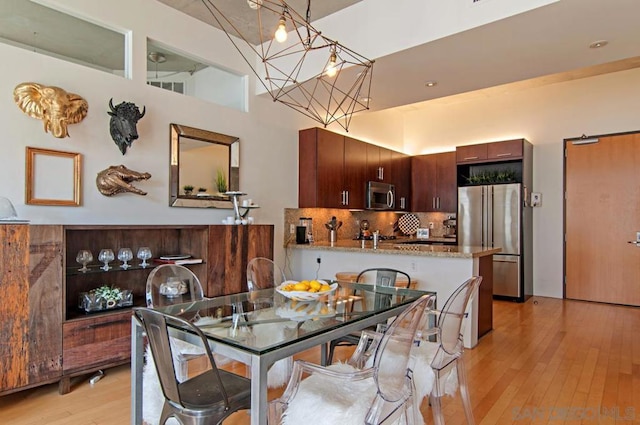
[
  {"x": 490, "y": 152},
  {"x": 433, "y": 182},
  {"x": 401, "y": 178},
  {"x": 379, "y": 164},
  {"x": 332, "y": 170}
]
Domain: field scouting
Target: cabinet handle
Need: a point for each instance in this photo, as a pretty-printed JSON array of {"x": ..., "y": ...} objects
[
  {"x": 504, "y": 154},
  {"x": 402, "y": 203},
  {"x": 381, "y": 173},
  {"x": 469, "y": 158},
  {"x": 346, "y": 192},
  {"x": 438, "y": 202},
  {"x": 433, "y": 203},
  {"x": 342, "y": 201}
]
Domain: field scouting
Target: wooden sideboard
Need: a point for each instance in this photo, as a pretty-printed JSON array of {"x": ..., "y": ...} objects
[{"x": 49, "y": 338}]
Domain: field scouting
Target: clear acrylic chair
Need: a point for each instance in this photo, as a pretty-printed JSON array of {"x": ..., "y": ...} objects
[
  {"x": 441, "y": 347},
  {"x": 172, "y": 284},
  {"x": 376, "y": 276},
  {"x": 264, "y": 273},
  {"x": 207, "y": 398},
  {"x": 378, "y": 394}
]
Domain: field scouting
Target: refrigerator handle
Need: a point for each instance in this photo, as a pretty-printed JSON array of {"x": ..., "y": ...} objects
[
  {"x": 484, "y": 217},
  {"x": 490, "y": 218}
]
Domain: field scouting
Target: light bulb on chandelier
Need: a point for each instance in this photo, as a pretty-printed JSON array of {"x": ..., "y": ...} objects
[
  {"x": 254, "y": 4},
  {"x": 281, "y": 32},
  {"x": 331, "y": 69}
]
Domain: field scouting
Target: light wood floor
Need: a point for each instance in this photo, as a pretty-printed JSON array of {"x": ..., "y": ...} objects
[{"x": 547, "y": 361}]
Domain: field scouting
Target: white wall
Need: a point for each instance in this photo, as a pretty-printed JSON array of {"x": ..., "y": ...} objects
[
  {"x": 268, "y": 132},
  {"x": 545, "y": 116}
]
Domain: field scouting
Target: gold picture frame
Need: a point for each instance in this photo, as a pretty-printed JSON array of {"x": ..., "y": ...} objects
[{"x": 52, "y": 177}]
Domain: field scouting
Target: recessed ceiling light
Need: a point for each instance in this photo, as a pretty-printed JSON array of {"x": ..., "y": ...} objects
[
  {"x": 598, "y": 44},
  {"x": 431, "y": 84}
]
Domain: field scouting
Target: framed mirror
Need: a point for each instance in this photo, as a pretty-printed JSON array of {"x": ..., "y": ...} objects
[{"x": 203, "y": 166}]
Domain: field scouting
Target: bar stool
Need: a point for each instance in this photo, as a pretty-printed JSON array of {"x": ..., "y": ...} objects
[{"x": 350, "y": 277}]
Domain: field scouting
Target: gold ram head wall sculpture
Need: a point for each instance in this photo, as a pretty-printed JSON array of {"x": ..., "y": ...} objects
[{"x": 54, "y": 106}]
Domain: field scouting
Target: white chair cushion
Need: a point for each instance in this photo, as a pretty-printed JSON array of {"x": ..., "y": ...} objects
[
  {"x": 423, "y": 375},
  {"x": 326, "y": 401}
]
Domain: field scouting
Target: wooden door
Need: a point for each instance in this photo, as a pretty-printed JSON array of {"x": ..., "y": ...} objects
[{"x": 602, "y": 213}]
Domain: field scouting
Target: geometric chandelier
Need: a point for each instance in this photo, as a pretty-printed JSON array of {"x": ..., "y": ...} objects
[{"x": 298, "y": 66}]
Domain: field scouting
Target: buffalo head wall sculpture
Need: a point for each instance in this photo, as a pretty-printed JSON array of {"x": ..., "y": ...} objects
[
  {"x": 53, "y": 105},
  {"x": 124, "y": 119},
  {"x": 117, "y": 179}
]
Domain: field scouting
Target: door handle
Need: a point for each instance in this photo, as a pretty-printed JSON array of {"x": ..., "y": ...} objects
[{"x": 636, "y": 243}]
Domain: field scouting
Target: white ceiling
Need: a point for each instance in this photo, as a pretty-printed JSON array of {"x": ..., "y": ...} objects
[{"x": 542, "y": 46}]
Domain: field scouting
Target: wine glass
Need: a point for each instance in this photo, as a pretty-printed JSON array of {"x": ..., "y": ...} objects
[
  {"x": 124, "y": 255},
  {"x": 84, "y": 257},
  {"x": 144, "y": 253},
  {"x": 106, "y": 256}
]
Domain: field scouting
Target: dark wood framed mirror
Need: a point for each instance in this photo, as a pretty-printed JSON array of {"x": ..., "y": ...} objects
[{"x": 203, "y": 166}]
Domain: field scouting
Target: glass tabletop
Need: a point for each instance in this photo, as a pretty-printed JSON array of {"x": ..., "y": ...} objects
[{"x": 266, "y": 320}]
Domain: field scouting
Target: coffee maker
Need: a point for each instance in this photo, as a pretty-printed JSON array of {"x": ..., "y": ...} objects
[{"x": 450, "y": 227}]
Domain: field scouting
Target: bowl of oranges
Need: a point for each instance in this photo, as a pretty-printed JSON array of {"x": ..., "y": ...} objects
[{"x": 306, "y": 290}]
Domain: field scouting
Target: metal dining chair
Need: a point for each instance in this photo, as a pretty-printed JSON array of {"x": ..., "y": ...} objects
[
  {"x": 207, "y": 398},
  {"x": 377, "y": 276}
]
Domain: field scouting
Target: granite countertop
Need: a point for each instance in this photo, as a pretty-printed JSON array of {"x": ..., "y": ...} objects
[{"x": 392, "y": 247}]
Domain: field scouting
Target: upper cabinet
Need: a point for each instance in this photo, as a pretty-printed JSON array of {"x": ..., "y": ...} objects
[
  {"x": 332, "y": 170},
  {"x": 433, "y": 183},
  {"x": 401, "y": 176},
  {"x": 379, "y": 164},
  {"x": 490, "y": 152}
]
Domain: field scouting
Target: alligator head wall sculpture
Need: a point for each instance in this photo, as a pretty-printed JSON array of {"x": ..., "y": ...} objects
[
  {"x": 118, "y": 178},
  {"x": 53, "y": 105}
]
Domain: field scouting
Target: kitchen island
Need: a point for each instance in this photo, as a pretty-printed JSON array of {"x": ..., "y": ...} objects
[{"x": 439, "y": 268}]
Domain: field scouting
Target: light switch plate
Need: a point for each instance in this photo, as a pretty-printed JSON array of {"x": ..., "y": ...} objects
[{"x": 536, "y": 199}]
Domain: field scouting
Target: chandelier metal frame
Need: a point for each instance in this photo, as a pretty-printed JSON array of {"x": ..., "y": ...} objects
[{"x": 298, "y": 72}]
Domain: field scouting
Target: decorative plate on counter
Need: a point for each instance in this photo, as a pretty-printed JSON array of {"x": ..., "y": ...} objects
[{"x": 408, "y": 224}]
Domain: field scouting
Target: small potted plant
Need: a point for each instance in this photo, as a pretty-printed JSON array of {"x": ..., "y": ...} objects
[
  {"x": 221, "y": 181},
  {"x": 188, "y": 189}
]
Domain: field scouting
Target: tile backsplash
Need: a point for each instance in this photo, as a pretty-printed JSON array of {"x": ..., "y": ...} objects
[{"x": 378, "y": 220}]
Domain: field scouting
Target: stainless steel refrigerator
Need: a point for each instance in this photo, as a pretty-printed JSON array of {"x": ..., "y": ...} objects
[{"x": 495, "y": 216}]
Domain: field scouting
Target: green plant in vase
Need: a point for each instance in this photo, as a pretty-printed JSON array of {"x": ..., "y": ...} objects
[
  {"x": 221, "y": 181},
  {"x": 188, "y": 189}
]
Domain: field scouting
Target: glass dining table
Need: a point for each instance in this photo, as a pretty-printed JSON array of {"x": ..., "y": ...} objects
[{"x": 261, "y": 327}]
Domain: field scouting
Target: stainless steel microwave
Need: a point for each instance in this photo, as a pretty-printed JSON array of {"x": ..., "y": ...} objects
[{"x": 381, "y": 196}]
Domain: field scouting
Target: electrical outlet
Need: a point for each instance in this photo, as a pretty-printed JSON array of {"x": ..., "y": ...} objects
[
  {"x": 536, "y": 199},
  {"x": 413, "y": 266},
  {"x": 431, "y": 225},
  {"x": 319, "y": 260},
  {"x": 292, "y": 229}
]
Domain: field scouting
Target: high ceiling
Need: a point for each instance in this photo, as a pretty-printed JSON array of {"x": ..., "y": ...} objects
[{"x": 542, "y": 46}]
